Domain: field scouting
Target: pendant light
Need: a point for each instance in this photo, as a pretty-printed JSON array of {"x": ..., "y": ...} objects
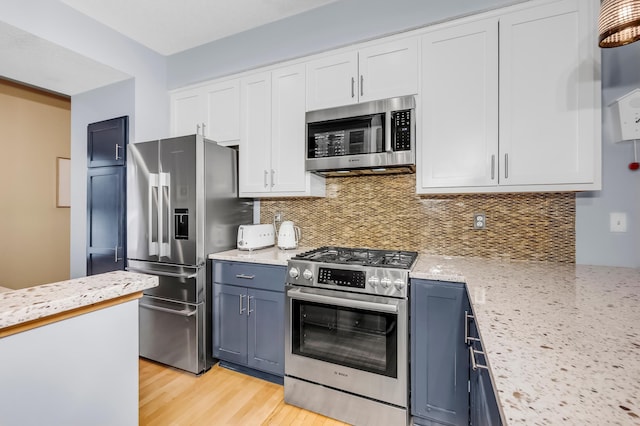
[{"x": 619, "y": 22}]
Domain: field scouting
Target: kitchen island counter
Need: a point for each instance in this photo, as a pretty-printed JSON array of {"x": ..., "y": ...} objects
[
  {"x": 562, "y": 340},
  {"x": 18, "y": 307}
]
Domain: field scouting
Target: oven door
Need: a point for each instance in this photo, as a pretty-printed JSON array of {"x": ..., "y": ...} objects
[{"x": 350, "y": 342}]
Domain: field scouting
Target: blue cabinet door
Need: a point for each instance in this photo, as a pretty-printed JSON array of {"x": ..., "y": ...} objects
[
  {"x": 439, "y": 355},
  {"x": 106, "y": 216},
  {"x": 266, "y": 331},
  {"x": 230, "y": 323}
]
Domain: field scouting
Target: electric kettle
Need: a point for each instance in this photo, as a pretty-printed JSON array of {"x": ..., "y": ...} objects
[{"x": 288, "y": 235}]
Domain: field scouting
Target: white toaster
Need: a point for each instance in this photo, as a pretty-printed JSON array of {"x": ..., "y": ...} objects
[{"x": 253, "y": 237}]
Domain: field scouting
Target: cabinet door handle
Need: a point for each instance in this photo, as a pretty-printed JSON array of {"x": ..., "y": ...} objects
[
  {"x": 117, "y": 258},
  {"x": 273, "y": 177},
  {"x": 197, "y": 129},
  {"x": 203, "y": 127},
  {"x": 472, "y": 355},
  {"x": 361, "y": 85},
  {"x": 249, "y": 310},
  {"x": 266, "y": 173},
  {"x": 353, "y": 87},
  {"x": 506, "y": 166},
  {"x": 241, "y": 304},
  {"x": 118, "y": 147},
  {"x": 468, "y": 339}
]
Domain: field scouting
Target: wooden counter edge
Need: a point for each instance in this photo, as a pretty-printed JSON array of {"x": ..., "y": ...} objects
[{"x": 30, "y": 325}]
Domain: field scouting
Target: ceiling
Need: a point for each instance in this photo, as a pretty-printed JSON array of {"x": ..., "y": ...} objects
[
  {"x": 170, "y": 26},
  {"x": 165, "y": 26}
]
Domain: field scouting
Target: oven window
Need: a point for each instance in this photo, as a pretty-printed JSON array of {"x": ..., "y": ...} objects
[{"x": 355, "y": 338}]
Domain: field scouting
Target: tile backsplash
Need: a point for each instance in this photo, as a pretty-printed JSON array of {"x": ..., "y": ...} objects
[{"x": 385, "y": 212}]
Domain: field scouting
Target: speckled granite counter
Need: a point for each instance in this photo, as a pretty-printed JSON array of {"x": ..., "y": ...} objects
[
  {"x": 562, "y": 341},
  {"x": 269, "y": 256},
  {"x": 20, "y": 306}
]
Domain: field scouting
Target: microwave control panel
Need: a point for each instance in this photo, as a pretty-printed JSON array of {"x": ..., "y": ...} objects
[{"x": 401, "y": 129}]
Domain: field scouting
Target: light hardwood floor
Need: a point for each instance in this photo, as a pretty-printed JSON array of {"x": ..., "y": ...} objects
[{"x": 218, "y": 397}]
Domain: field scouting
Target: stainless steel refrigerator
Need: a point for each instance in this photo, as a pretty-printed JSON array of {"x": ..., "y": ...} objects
[{"x": 182, "y": 205}]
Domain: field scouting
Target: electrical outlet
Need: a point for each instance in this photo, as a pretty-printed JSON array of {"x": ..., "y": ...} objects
[
  {"x": 277, "y": 217},
  {"x": 618, "y": 222},
  {"x": 479, "y": 221}
]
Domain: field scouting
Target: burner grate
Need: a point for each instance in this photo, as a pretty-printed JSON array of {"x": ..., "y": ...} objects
[{"x": 360, "y": 256}]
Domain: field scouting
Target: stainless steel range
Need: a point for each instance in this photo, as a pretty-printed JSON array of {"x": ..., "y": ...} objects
[{"x": 346, "y": 347}]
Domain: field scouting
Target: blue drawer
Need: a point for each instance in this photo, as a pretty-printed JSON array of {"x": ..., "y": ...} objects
[{"x": 251, "y": 275}]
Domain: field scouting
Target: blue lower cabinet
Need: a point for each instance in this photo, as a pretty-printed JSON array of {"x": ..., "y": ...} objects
[
  {"x": 248, "y": 320},
  {"x": 439, "y": 354}
]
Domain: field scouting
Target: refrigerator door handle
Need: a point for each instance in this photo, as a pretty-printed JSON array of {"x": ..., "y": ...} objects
[
  {"x": 152, "y": 231},
  {"x": 164, "y": 214}
]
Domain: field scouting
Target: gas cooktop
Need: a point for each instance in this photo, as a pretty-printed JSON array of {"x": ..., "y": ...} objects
[
  {"x": 360, "y": 256},
  {"x": 361, "y": 270}
]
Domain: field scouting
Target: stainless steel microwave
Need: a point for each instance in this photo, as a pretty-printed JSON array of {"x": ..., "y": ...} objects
[{"x": 367, "y": 138}]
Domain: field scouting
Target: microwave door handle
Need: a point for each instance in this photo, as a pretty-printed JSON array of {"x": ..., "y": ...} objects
[{"x": 387, "y": 131}]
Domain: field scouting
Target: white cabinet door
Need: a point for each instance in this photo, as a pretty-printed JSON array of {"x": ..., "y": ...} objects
[
  {"x": 547, "y": 99},
  {"x": 187, "y": 112},
  {"x": 288, "y": 129},
  {"x": 388, "y": 70},
  {"x": 459, "y": 144},
  {"x": 332, "y": 81},
  {"x": 255, "y": 134},
  {"x": 223, "y": 112}
]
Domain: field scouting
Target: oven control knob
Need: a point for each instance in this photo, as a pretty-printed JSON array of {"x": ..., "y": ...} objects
[
  {"x": 385, "y": 282},
  {"x": 374, "y": 281},
  {"x": 294, "y": 273},
  {"x": 399, "y": 283},
  {"x": 307, "y": 274}
]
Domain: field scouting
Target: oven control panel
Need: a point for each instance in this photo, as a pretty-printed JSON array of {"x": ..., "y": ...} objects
[{"x": 341, "y": 277}]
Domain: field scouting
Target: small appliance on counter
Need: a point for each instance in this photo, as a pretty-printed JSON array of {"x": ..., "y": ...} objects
[
  {"x": 288, "y": 235},
  {"x": 254, "y": 237}
]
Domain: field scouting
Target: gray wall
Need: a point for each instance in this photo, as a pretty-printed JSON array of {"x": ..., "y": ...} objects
[
  {"x": 337, "y": 24},
  {"x": 595, "y": 244}
]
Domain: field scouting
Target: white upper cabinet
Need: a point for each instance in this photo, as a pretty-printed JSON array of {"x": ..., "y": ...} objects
[
  {"x": 377, "y": 72},
  {"x": 547, "y": 99},
  {"x": 223, "y": 112},
  {"x": 459, "y": 117},
  {"x": 512, "y": 103},
  {"x": 212, "y": 110},
  {"x": 272, "y": 137},
  {"x": 187, "y": 111}
]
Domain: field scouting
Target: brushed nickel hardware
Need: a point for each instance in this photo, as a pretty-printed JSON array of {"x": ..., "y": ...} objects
[
  {"x": 245, "y": 277},
  {"x": 474, "y": 364},
  {"x": 241, "y": 304},
  {"x": 353, "y": 84},
  {"x": 249, "y": 310},
  {"x": 506, "y": 166},
  {"x": 361, "y": 85},
  {"x": 493, "y": 167},
  {"x": 468, "y": 339}
]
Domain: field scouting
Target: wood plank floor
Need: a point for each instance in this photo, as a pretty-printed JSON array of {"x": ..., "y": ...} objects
[{"x": 218, "y": 397}]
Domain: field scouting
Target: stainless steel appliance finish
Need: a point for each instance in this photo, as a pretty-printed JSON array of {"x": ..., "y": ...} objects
[
  {"x": 346, "y": 347},
  {"x": 182, "y": 204},
  {"x": 368, "y": 138}
]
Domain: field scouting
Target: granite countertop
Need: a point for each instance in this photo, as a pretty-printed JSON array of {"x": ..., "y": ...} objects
[
  {"x": 562, "y": 340},
  {"x": 20, "y": 306},
  {"x": 269, "y": 255}
]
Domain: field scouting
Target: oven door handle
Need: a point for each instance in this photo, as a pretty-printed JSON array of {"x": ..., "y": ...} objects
[{"x": 298, "y": 293}]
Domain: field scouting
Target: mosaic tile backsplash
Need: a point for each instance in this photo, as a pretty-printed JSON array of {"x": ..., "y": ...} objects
[{"x": 385, "y": 212}]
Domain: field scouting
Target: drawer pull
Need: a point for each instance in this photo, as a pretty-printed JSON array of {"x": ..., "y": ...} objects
[
  {"x": 472, "y": 355},
  {"x": 468, "y": 339},
  {"x": 245, "y": 277}
]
